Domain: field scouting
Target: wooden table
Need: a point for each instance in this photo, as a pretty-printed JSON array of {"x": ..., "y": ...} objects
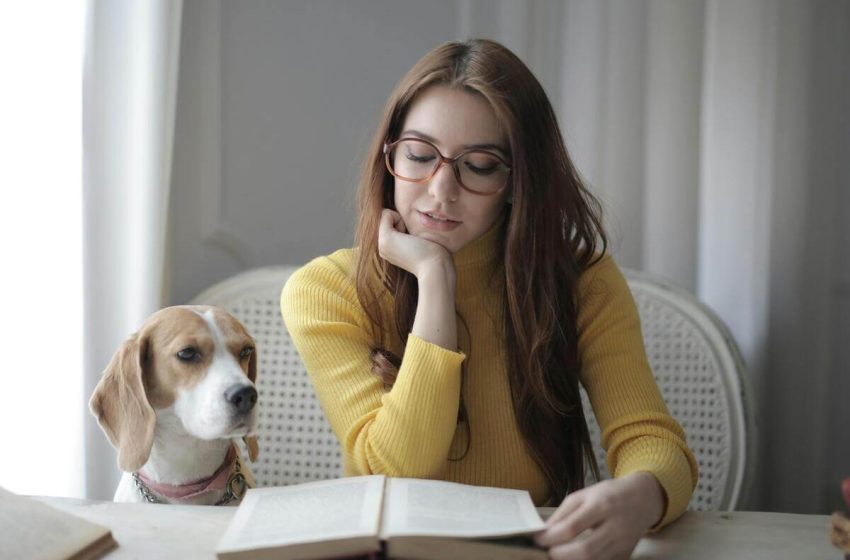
[{"x": 192, "y": 532}]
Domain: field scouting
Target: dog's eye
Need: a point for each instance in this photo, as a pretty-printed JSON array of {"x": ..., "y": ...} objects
[
  {"x": 247, "y": 351},
  {"x": 188, "y": 354}
]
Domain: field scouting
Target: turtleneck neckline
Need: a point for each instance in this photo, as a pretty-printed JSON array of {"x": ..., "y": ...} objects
[{"x": 476, "y": 263}]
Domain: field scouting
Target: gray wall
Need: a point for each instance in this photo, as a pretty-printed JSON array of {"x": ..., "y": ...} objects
[{"x": 277, "y": 103}]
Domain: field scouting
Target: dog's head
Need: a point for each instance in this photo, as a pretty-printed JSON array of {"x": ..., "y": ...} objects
[{"x": 199, "y": 360}]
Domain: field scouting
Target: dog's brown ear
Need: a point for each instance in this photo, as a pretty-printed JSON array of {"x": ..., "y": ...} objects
[
  {"x": 252, "y": 365},
  {"x": 251, "y": 441},
  {"x": 121, "y": 406},
  {"x": 253, "y": 447}
]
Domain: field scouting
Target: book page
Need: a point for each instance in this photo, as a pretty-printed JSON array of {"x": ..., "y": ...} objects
[
  {"x": 316, "y": 511},
  {"x": 34, "y": 530},
  {"x": 414, "y": 507}
]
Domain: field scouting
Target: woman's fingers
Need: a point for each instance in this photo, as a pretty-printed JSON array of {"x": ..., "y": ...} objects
[
  {"x": 386, "y": 228},
  {"x": 389, "y": 219},
  {"x": 590, "y": 546},
  {"x": 841, "y": 522},
  {"x": 608, "y": 540},
  {"x": 573, "y": 524},
  {"x": 399, "y": 224},
  {"x": 569, "y": 505},
  {"x": 840, "y": 534}
]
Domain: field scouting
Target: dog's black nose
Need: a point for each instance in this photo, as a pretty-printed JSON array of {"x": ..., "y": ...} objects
[{"x": 243, "y": 397}]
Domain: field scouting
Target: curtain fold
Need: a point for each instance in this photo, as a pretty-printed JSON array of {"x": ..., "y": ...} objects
[
  {"x": 717, "y": 135},
  {"x": 129, "y": 98}
]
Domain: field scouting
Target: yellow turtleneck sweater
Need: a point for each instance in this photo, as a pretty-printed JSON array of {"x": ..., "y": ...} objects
[{"x": 412, "y": 430}]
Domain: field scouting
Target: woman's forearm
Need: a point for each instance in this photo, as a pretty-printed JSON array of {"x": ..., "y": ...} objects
[{"x": 435, "y": 319}]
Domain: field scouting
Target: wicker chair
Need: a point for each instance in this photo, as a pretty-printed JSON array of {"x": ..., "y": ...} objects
[{"x": 695, "y": 361}]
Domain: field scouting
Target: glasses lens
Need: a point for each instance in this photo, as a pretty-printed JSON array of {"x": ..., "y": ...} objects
[
  {"x": 482, "y": 172},
  {"x": 413, "y": 160}
]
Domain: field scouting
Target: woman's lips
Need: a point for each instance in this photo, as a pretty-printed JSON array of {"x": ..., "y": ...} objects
[{"x": 437, "y": 224}]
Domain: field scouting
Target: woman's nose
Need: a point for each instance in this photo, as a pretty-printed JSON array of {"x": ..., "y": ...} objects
[{"x": 443, "y": 185}]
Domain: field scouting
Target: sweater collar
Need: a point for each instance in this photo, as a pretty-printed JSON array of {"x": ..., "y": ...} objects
[{"x": 477, "y": 264}]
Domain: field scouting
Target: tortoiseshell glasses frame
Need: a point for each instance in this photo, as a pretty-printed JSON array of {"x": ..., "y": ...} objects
[{"x": 441, "y": 160}]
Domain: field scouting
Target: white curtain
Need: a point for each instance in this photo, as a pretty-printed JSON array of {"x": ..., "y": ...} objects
[
  {"x": 718, "y": 136},
  {"x": 129, "y": 96},
  {"x": 41, "y": 239}
]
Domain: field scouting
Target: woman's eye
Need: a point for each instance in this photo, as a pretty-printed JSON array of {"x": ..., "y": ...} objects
[
  {"x": 247, "y": 351},
  {"x": 481, "y": 163},
  {"x": 480, "y": 170},
  {"x": 188, "y": 354},
  {"x": 420, "y": 159}
]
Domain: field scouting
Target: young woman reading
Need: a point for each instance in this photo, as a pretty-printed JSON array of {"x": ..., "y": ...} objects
[{"x": 450, "y": 342}]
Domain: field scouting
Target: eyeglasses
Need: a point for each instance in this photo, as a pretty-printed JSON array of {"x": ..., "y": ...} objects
[{"x": 477, "y": 171}]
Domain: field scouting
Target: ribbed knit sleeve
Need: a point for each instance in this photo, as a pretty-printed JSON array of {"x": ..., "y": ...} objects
[
  {"x": 406, "y": 431},
  {"x": 638, "y": 433}
]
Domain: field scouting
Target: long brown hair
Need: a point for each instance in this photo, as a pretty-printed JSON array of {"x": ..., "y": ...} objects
[{"x": 552, "y": 234}]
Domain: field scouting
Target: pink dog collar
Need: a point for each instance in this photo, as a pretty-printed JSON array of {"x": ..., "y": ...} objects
[{"x": 215, "y": 483}]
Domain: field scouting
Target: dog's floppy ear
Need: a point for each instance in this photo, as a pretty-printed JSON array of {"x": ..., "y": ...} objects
[
  {"x": 251, "y": 441},
  {"x": 121, "y": 406},
  {"x": 253, "y": 447},
  {"x": 252, "y": 365}
]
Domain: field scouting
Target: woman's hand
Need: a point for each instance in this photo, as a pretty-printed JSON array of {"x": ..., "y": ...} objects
[
  {"x": 840, "y": 532},
  {"x": 413, "y": 254},
  {"x": 615, "y": 514},
  {"x": 434, "y": 269}
]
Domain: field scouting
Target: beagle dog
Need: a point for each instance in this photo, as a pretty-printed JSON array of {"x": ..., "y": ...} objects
[{"x": 171, "y": 400}]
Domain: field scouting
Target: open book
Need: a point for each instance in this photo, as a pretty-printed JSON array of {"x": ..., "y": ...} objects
[
  {"x": 33, "y": 530},
  {"x": 414, "y": 518}
]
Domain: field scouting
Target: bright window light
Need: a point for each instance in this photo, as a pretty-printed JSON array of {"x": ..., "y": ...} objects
[{"x": 41, "y": 333}]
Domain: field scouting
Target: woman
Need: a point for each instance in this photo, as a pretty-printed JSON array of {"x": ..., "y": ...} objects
[{"x": 450, "y": 342}]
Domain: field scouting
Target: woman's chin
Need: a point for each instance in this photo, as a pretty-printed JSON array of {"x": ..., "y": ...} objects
[{"x": 442, "y": 240}]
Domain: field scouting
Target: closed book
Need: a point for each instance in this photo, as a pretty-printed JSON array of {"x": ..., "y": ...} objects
[{"x": 32, "y": 530}]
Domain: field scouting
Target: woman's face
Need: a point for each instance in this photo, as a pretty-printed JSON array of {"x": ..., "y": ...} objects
[{"x": 439, "y": 209}]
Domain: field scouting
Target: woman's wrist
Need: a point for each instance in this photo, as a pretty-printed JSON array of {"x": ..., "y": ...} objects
[
  {"x": 437, "y": 274},
  {"x": 654, "y": 495}
]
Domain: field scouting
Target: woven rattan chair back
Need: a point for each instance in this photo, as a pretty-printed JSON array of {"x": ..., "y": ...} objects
[{"x": 693, "y": 357}]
